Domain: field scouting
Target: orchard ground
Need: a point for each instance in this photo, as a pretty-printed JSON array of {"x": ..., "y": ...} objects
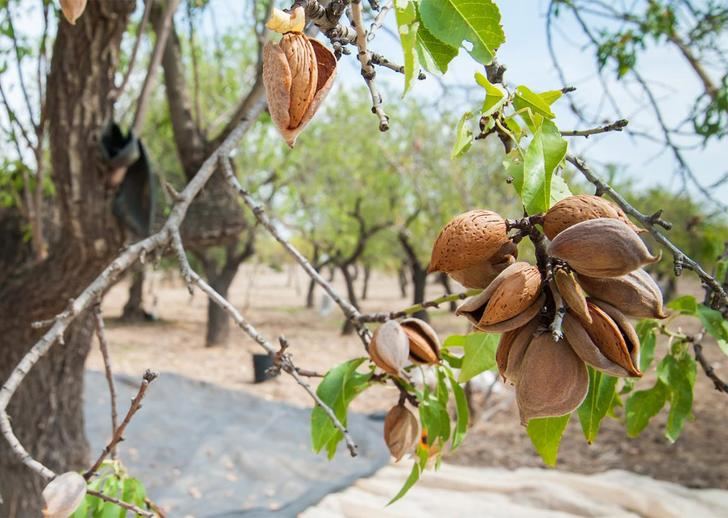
[{"x": 274, "y": 303}]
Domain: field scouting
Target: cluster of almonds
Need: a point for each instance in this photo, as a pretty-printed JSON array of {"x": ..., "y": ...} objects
[
  {"x": 298, "y": 72},
  {"x": 394, "y": 346},
  {"x": 595, "y": 282}
]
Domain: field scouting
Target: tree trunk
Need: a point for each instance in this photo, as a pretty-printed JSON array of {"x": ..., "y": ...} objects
[
  {"x": 419, "y": 285},
  {"x": 348, "y": 328},
  {"x": 445, "y": 281},
  {"x": 365, "y": 285},
  {"x": 47, "y": 410},
  {"x": 134, "y": 309},
  {"x": 402, "y": 279},
  {"x": 310, "y": 293}
]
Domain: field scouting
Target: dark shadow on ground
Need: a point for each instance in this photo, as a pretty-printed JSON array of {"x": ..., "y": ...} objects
[{"x": 205, "y": 451}]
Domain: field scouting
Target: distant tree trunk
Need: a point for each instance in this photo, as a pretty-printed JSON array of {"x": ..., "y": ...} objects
[
  {"x": 348, "y": 328},
  {"x": 134, "y": 308},
  {"x": 402, "y": 278},
  {"x": 445, "y": 281},
  {"x": 418, "y": 274},
  {"x": 310, "y": 293},
  {"x": 365, "y": 285},
  {"x": 47, "y": 410}
]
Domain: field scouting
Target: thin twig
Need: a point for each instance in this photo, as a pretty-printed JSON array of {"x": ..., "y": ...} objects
[
  {"x": 559, "y": 313},
  {"x": 350, "y": 312},
  {"x": 681, "y": 259},
  {"x": 709, "y": 370},
  {"x": 118, "y": 435},
  {"x": 416, "y": 308},
  {"x": 104, "y": 347},
  {"x": 367, "y": 68},
  {"x": 159, "y": 46},
  {"x": 617, "y": 125},
  {"x": 116, "y": 92},
  {"x": 129, "y": 507}
]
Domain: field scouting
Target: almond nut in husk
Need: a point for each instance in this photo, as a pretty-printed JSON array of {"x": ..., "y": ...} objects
[
  {"x": 635, "y": 294},
  {"x": 578, "y": 208},
  {"x": 63, "y": 495},
  {"x": 511, "y": 349},
  {"x": 553, "y": 380},
  {"x": 401, "y": 431},
  {"x": 389, "y": 348},
  {"x": 298, "y": 72},
  {"x": 424, "y": 345},
  {"x": 616, "y": 340},
  {"x": 73, "y": 9},
  {"x": 572, "y": 293},
  {"x": 508, "y": 301},
  {"x": 585, "y": 348},
  {"x": 601, "y": 248},
  {"x": 467, "y": 240}
]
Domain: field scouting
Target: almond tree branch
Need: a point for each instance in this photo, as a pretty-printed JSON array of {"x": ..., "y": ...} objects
[
  {"x": 367, "y": 67},
  {"x": 718, "y": 296},
  {"x": 116, "y": 92},
  {"x": 411, "y": 310},
  {"x": 617, "y": 125},
  {"x": 118, "y": 435},
  {"x": 129, "y": 507},
  {"x": 350, "y": 312},
  {"x": 104, "y": 347},
  {"x": 720, "y": 385}
]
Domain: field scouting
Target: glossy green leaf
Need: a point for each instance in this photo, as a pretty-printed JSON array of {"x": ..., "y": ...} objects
[
  {"x": 435, "y": 54},
  {"x": 407, "y": 25},
  {"x": 642, "y": 406},
  {"x": 597, "y": 404},
  {"x": 525, "y": 98},
  {"x": 417, "y": 468},
  {"x": 546, "y": 434},
  {"x": 545, "y": 152},
  {"x": 463, "y": 136},
  {"x": 457, "y": 21},
  {"x": 646, "y": 331},
  {"x": 463, "y": 414},
  {"x": 337, "y": 390},
  {"x": 715, "y": 325},
  {"x": 551, "y": 96},
  {"x": 478, "y": 353},
  {"x": 686, "y": 305},
  {"x": 678, "y": 374},
  {"x": 495, "y": 95}
]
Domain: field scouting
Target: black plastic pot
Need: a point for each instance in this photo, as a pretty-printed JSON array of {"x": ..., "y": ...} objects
[{"x": 261, "y": 364}]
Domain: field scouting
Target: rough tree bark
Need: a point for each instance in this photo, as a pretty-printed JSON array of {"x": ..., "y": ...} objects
[
  {"x": 418, "y": 274},
  {"x": 47, "y": 411}
]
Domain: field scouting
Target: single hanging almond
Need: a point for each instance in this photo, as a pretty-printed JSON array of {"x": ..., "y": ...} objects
[
  {"x": 578, "y": 208},
  {"x": 63, "y": 495},
  {"x": 585, "y": 348},
  {"x": 601, "y": 248},
  {"x": 73, "y": 9},
  {"x": 511, "y": 349},
  {"x": 401, "y": 431},
  {"x": 424, "y": 345},
  {"x": 617, "y": 341},
  {"x": 553, "y": 380},
  {"x": 635, "y": 294},
  {"x": 298, "y": 72}
]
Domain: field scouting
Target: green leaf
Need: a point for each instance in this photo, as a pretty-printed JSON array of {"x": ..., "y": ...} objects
[
  {"x": 597, "y": 404},
  {"x": 646, "y": 331},
  {"x": 543, "y": 155},
  {"x": 525, "y": 98},
  {"x": 463, "y": 136},
  {"x": 479, "y": 354},
  {"x": 454, "y": 361},
  {"x": 715, "y": 324},
  {"x": 495, "y": 96},
  {"x": 417, "y": 468},
  {"x": 337, "y": 390},
  {"x": 551, "y": 96},
  {"x": 463, "y": 414},
  {"x": 407, "y": 25},
  {"x": 435, "y": 420},
  {"x": 687, "y": 305},
  {"x": 456, "y": 21},
  {"x": 678, "y": 374},
  {"x": 546, "y": 436},
  {"x": 642, "y": 406},
  {"x": 434, "y": 54}
]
